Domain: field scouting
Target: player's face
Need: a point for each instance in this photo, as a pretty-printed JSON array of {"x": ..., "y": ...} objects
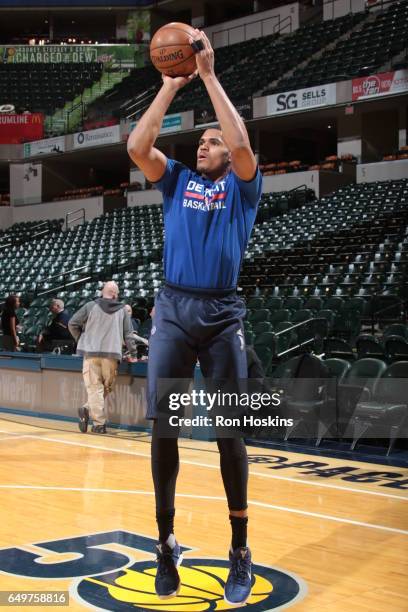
[{"x": 212, "y": 153}]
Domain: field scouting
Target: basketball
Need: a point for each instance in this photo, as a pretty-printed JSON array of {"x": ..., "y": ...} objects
[{"x": 170, "y": 50}]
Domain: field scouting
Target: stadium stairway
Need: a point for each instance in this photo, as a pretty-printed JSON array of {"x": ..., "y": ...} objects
[{"x": 70, "y": 117}]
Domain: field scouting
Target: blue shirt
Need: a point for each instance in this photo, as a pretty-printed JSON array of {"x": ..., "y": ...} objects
[{"x": 207, "y": 226}]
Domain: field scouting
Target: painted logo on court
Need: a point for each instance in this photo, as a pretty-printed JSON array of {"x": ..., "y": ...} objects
[
  {"x": 202, "y": 588},
  {"x": 105, "y": 579}
]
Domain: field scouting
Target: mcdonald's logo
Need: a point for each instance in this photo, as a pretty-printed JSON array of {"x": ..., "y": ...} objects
[{"x": 36, "y": 118}]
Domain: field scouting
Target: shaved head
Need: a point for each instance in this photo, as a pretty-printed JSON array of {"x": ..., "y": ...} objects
[{"x": 110, "y": 290}]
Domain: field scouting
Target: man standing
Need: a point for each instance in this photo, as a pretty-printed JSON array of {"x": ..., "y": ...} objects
[
  {"x": 100, "y": 329},
  {"x": 208, "y": 218},
  {"x": 58, "y": 328}
]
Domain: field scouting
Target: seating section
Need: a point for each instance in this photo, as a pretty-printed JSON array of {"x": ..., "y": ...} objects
[
  {"x": 27, "y": 231},
  {"x": 333, "y": 399},
  {"x": 44, "y": 88},
  {"x": 353, "y": 243},
  {"x": 336, "y": 265},
  {"x": 244, "y": 68},
  {"x": 95, "y": 247},
  {"x": 316, "y": 272},
  {"x": 365, "y": 52},
  {"x": 126, "y": 96},
  {"x": 331, "y": 162},
  {"x": 402, "y": 153}
]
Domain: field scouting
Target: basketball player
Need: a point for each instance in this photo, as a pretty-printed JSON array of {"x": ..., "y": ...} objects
[{"x": 208, "y": 217}]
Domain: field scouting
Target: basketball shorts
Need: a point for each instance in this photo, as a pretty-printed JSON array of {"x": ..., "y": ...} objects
[{"x": 188, "y": 326}]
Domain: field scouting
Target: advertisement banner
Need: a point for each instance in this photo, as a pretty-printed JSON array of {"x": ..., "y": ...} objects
[
  {"x": 301, "y": 99},
  {"x": 94, "y": 138},
  {"x": 171, "y": 123},
  {"x": 15, "y": 129},
  {"x": 382, "y": 84},
  {"x": 48, "y": 146},
  {"x": 110, "y": 55}
]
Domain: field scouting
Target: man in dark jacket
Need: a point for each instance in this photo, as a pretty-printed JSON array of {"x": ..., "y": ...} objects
[
  {"x": 100, "y": 328},
  {"x": 57, "y": 329}
]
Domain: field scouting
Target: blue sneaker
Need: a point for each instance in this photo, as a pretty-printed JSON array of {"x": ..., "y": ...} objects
[
  {"x": 167, "y": 581},
  {"x": 238, "y": 585}
]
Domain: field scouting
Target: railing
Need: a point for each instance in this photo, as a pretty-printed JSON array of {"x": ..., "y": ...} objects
[
  {"x": 379, "y": 5},
  {"x": 375, "y": 318},
  {"x": 62, "y": 276},
  {"x": 69, "y": 221},
  {"x": 142, "y": 101},
  {"x": 280, "y": 25},
  {"x": 75, "y": 107},
  {"x": 14, "y": 241},
  {"x": 124, "y": 260},
  {"x": 303, "y": 343},
  {"x": 283, "y": 24}
]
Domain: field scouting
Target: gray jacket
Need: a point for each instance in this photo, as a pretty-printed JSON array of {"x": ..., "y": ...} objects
[{"x": 101, "y": 327}]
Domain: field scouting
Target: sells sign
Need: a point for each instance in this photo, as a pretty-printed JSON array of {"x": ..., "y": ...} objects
[
  {"x": 382, "y": 84},
  {"x": 301, "y": 99}
]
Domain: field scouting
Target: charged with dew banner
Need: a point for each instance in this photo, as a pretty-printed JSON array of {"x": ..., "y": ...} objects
[{"x": 110, "y": 55}]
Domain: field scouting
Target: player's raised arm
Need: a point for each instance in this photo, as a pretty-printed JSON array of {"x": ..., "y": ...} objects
[
  {"x": 234, "y": 132},
  {"x": 141, "y": 141}
]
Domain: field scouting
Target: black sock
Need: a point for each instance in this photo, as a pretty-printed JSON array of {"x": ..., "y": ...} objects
[
  {"x": 239, "y": 531},
  {"x": 165, "y": 522}
]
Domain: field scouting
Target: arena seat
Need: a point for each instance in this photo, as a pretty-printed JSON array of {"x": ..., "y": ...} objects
[
  {"x": 396, "y": 348},
  {"x": 369, "y": 346},
  {"x": 385, "y": 412},
  {"x": 338, "y": 368},
  {"x": 359, "y": 383}
]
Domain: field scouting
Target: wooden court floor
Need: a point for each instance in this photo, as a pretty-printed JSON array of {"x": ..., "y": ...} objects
[{"x": 77, "y": 515}]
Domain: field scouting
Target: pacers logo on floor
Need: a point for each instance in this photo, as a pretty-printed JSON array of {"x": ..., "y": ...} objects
[
  {"x": 202, "y": 588},
  {"x": 106, "y": 579}
]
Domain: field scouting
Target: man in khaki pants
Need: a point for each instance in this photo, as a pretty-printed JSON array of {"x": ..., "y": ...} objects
[{"x": 100, "y": 328}]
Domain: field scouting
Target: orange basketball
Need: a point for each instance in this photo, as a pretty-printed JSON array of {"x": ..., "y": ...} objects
[{"x": 170, "y": 49}]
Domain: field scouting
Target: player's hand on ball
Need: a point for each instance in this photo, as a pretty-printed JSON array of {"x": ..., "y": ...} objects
[
  {"x": 205, "y": 57},
  {"x": 176, "y": 83}
]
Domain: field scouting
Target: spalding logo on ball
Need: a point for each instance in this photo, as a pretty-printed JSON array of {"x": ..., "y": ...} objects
[
  {"x": 171, "y": 51},
  {"x": 202, "y": 588}
]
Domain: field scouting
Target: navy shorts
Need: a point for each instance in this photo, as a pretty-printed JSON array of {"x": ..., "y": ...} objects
[{"x": 188, "y": 326}]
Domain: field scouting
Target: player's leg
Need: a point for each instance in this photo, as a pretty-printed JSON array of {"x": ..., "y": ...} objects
[
  {"x": 223, "y": 357},
  {"x": 92, "y": 374},
  {"x": 171, "y": 356},
  {"x": 109, "y": 372}
]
